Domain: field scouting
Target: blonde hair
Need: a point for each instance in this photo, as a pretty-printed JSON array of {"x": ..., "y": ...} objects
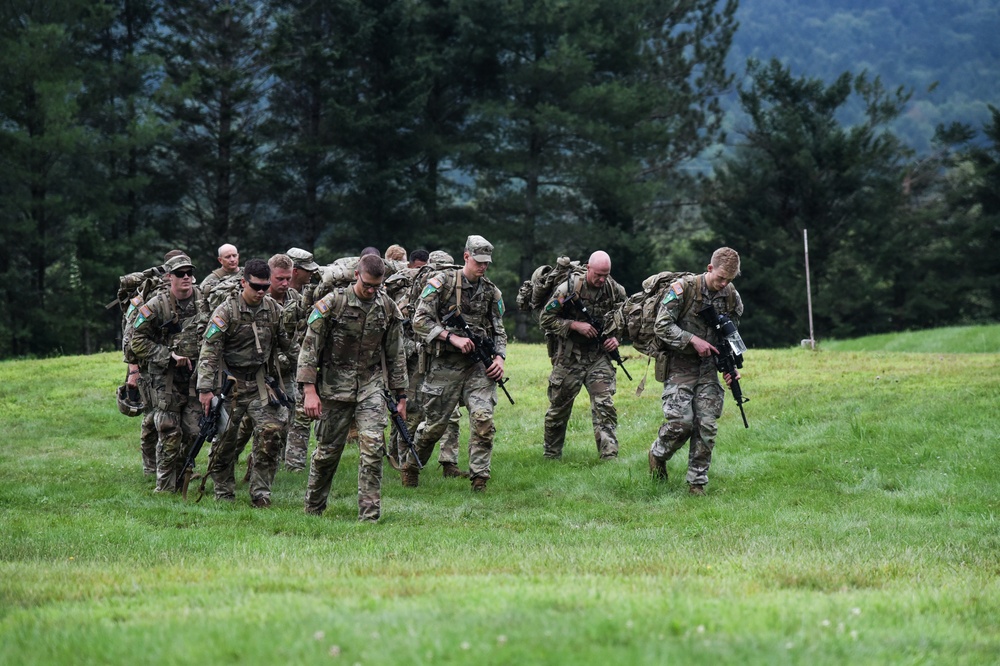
[
  {"x": 281, "y": 261},
  {"x": 727, "y": 259},
  {"x": 395, "y": 253}
]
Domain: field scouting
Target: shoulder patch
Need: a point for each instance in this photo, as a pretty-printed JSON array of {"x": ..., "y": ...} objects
[
  {"x": 217, "y": 325},
  {"x": 500, "y": 307},
  {"x": 144, "y": 314},
  {"x": 433, "y": 285},
  {"x": 675, "y": 292},
  {"x": 556, "y": 302}
]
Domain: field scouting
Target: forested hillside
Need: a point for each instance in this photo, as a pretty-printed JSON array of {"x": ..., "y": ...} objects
[
  {"x": 947, "y": 52},
  {"x": 132, "y": 127}
]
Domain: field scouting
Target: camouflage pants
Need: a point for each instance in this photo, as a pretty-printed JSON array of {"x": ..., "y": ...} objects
[
  {"x": 246, "y": 428},
  {"x": 331, "y": 438},
  {"x": 268, "y": 423},
  {"x": 692, "y": 405},
  {"x": 297, "y": 440},
  {"x": 448, "y": 453},
  {"x": 148, "y": 437},
  {"x": 451, "y": 380},
  {"x": 176, "y": 432},
  {"x": 596, "y": 372}
]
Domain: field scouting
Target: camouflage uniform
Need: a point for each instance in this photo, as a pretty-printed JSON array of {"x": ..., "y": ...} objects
[
  {"x": 351, "y": 350},
  {"x": 243, "y": 341},
  {"x": 148, "y": 437},
  {"x": 453, "y": 377},
  {"x": 166, "y": 325},
  {"x": 415, "y": 361},
  {"x": 580, "y": 361},
  {"x": 692, "y": 393},
  {"x": 290, "y": 315}
]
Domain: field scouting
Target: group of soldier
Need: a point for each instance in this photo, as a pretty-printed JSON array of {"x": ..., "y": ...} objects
[{"x": 343, "y": 346}]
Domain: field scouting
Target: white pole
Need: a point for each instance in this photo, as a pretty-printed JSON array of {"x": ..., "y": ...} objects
[{"x": 809, "y": 301}]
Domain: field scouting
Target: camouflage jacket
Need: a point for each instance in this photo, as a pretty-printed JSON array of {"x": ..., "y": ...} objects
[
  {"x": 481, "y": 306},
  {"x": 241, "y": 339},
  {"x": 343, "y": 347},
  {"x": 293, "y": 320},
  {"x": 164, "y": 326},
  {"x": 677, "y": 319},
  {"x": 561, "y": 311}
]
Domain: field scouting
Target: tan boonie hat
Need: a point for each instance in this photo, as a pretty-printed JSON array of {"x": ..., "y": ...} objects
[
  {"x": 479, "y": 248},
  {"x": 178, "y": 262},
  {"x": 302, "y": 259}
]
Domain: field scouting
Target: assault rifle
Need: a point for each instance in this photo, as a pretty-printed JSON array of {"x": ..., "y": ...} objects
[
  {"x": 209, "y": 426},
  {"x": 730, "y": 357},
  {"x": 400, "y": 422},
  {"x": 615, "y": 355},
  {"x": 485, "y": 350}
]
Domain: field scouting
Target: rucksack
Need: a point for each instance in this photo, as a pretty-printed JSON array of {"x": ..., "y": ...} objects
[
  {"x": 636, "y": 317},
  {"x": 533, "y": 293},
  {"x": 406, "y": 286},
  {"x": 223, "y": 289}
]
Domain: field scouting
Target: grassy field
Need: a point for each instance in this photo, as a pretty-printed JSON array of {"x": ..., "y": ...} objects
[{"x": 856, "y": 521}]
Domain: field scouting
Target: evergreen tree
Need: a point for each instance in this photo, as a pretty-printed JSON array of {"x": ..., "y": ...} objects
[
  {"x": 799, "y": 168},
  {"x": 215, "y": 84}
]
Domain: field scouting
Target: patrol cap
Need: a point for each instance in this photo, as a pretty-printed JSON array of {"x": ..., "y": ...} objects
[
  {"x": 302, "y": 259},
  {"x": 178, "y": 262},
  {"x": 440, "y": 257},
  {"x": 479, "y": 248}
]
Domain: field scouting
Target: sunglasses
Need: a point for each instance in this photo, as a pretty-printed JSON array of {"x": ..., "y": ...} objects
[
  {"x": 184, "y": 273},
  {"x": 259, "y": 287}
]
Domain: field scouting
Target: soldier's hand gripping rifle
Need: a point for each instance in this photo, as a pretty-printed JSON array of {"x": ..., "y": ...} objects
[
  {"x": 730, "y": 356},
  {"x": 485, "y": 350},
  {"x": 615, "y": 355},
  {"x": 209, "y": 426},
  {"x": 400, "y": 422}
]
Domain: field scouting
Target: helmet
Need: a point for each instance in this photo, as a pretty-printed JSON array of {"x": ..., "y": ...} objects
[{"x": 129, "y": 401}]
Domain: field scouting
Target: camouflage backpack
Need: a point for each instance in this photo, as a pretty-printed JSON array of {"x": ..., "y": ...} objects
[
  {"x": 411, "y": 284},
  {"x": 533, "y": 293},
  {"x": 636, "y": 317},
  {"x": 223, "y": 289}
]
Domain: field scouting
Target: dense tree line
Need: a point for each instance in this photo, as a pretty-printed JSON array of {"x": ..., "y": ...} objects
[{"x": 130, "y": 127}]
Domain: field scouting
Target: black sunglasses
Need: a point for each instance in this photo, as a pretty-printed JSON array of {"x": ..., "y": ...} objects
[
  {"x": 259, "y": 287},
  {"x": 184, "y": 273}
]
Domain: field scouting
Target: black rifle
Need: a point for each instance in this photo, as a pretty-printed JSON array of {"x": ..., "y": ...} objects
[
  {"x": 485, "y": 350},
  {"x": 730, "y": 357},
  {"x": 277, "y": 397},
  {"x": 208, "y": 428},
  {"x": 615, "y": 355},
  {"x": 400, "y": 422}
]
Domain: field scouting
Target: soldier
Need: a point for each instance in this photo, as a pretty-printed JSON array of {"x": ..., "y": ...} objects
[
  {"x": 581, "y": 359},
  {"x": 418, "y": 258},
  {"x": 297, "y": 438},
  {"x": 137, "y": 377},
  {"x": 453, "y": 376},
  {"x": 415, "y": 279},
  {"x": 395, "y": 253},
  {"x": 242, "y": 339},
  {"x": 229, "y": 257},
  {"x": 351, "y": 354},
  {"x": 289, "y": 301},
  {"x": 166, "y": 340},
  {"x": 692, "y": 394}
]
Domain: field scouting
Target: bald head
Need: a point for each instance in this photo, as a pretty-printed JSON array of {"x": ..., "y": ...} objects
[
  {"x": 229, "y": 257},
  {"x": 598, "y": 269}
]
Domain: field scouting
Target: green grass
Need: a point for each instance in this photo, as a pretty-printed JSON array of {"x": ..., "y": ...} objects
[
  {"x": 952, "y": 340},
  {"x": 856, "y": 521}
]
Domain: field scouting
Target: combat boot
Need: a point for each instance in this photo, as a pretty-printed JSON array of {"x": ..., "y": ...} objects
[
  {"x": 479, "y": 484},
  {"x": 696, "y": 489},
  {"x": 657, "y": 468},
  {"x": 261, "y": 502},
  {"x": 451, "y": 470},
  {"x": 409, "y": 477}
]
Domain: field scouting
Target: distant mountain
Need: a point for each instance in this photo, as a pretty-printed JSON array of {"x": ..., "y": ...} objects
[{"x": 913, "y": 43}]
